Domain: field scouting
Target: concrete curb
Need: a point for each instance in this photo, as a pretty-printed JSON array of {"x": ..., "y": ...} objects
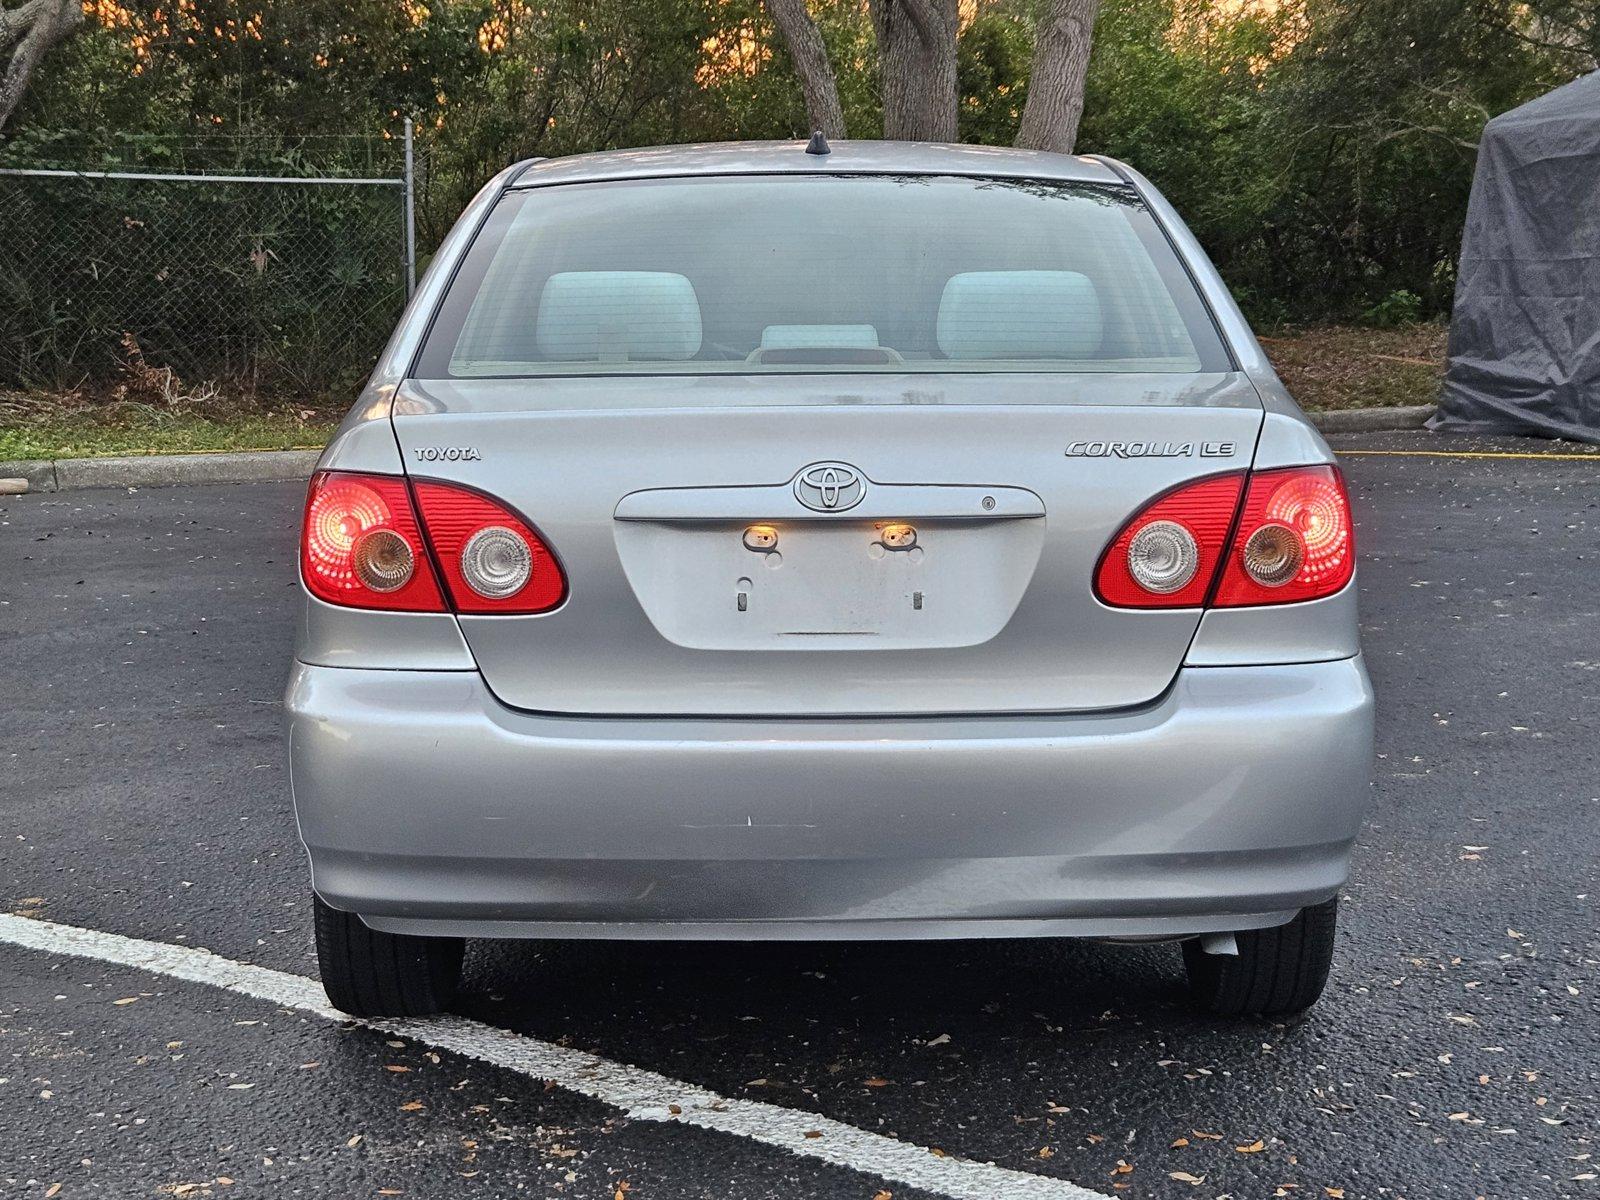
[
  {"x": 261, "y": 466},
  {"x": 161, "y": 470},
  {"x": 1372, "y": 420}
]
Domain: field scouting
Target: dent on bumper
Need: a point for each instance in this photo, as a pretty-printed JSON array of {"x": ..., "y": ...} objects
[{"x": 428, "y": 806}]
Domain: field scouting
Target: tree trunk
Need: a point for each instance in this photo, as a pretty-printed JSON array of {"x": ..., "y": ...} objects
[
  {"x": 810, "y": 56},
  {"x": 1055, "y": 88},
  {"x": 917, "y": 68},
  {"x": 27, "y": 33}
]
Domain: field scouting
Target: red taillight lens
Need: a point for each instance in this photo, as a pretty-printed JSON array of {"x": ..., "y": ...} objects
[
  {"x": 1167, "y": 556},
  {"x": 1295, "y": 540},
  {"x": 361, "y": 547},
  {"x": 493, "y": 561}
]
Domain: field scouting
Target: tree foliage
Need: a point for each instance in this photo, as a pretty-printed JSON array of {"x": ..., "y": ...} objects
[{"x": 1324, "y": 150}]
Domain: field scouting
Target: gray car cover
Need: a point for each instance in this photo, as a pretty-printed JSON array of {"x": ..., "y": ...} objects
[{"x": 1525, "y": 335}]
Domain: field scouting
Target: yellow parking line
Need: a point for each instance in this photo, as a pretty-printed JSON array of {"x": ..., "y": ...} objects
[{"x": 1591, "y": 457}]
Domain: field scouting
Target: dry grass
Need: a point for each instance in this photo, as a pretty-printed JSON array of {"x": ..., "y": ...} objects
[
  {"x": 1345, "y": 366},
  {"x": 76, "y": 425}
]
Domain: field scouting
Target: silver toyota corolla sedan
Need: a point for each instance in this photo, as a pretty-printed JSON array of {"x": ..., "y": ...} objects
[{"x": 898, "y": 541}]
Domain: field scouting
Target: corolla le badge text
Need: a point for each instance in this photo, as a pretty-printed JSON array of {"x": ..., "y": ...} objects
[
  {"x": 1151, "y": 449},
  {"x": 830, "y": 487}
]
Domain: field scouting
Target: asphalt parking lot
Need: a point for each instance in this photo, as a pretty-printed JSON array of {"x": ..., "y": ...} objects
[{"x": 144, "y": 642}]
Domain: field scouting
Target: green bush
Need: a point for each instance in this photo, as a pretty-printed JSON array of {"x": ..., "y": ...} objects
[{"x": 1397, "y": 308}]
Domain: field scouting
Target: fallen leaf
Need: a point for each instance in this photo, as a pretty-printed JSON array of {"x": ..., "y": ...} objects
[
  {"x": 1204, "y": 1136},
  {"x": 940, "y": 1040},
  {"x": 875, "y": 1082},
  {"x": 353, "y": 1142},
  {"x": 812, "y": 1133},
  {"x": 883, "y": 1196},
  {"x": 1123, "y": 1167},
  {"x": 1255, "y": 1147},
  {"x": 1185, "y": 1177},
  {"x": 52, "y": 1190},
  {"x": 1046, "y": 1152},
  {"x": 1334, "y": 1193},
  {"x": 126, "y": 1000},
  {"x": 397, "y": 1068},
  {"x": 1180, "y": 1142},
  {"x": 412, "y": 1106}
]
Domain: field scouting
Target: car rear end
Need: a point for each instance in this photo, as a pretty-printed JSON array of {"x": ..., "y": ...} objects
[{"x": 910, "y": 544}]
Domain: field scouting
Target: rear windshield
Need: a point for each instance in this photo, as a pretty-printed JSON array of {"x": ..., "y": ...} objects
[{"x": 786, "y": 274}]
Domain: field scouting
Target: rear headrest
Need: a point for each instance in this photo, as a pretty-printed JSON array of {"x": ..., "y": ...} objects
[
  {"x": 1019, "y": 314},
  {"x": 618, "y": 316},
  {"x": 802, "y": 337}
]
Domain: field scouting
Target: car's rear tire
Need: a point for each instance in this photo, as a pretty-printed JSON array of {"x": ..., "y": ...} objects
[
  {"x": 1277, "y": 972},
  {"x": 367, "y": 973}
]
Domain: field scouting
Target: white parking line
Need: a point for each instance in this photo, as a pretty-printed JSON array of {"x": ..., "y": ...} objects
[{"x": 643, "y": 1095}]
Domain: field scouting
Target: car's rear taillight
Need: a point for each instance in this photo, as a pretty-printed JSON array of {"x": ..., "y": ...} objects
[
  {"x": 493, "y": 561},
  {"x": 1295, "y": 539},
  {"x": 1167, "y": 556},
  {"x": 361, "y": 547}
]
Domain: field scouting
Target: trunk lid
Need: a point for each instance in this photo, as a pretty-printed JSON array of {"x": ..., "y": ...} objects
[{"x": 662, "y": 496}]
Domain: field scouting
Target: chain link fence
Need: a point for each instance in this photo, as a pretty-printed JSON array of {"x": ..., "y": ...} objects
[{"x": 270, "y": 284}]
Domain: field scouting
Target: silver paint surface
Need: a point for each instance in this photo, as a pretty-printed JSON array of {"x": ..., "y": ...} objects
[{"x": 1237, "y": 794}]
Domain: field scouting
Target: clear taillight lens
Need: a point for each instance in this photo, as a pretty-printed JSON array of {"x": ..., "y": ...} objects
[
  {"x": 1167, "y": 555},
  {"x": 1163, "y": 557},
  {"x": 1295, "y": 541},
  {"x": 361, "y": 546},
  {"x": 496, "y": 562}
]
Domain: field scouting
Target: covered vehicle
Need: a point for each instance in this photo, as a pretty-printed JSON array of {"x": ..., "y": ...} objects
[
  {"x": 908, "y": 541},
  {"x": 1525, "y": 332}
]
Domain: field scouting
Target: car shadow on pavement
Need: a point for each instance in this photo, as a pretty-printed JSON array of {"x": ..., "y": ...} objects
[{"x": 993, "y": 1049}]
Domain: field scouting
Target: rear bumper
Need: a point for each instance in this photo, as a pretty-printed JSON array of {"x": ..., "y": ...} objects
[{"x": 427, "y": 806}]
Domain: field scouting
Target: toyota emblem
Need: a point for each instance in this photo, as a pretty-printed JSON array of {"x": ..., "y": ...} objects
[{"x": 830, "y": 487}]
